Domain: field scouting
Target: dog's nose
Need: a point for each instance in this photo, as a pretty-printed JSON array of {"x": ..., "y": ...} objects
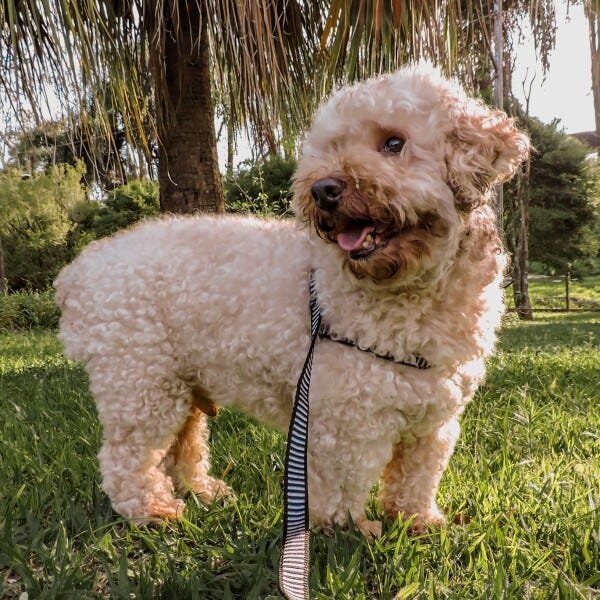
[{"x": 327, "y": 192}]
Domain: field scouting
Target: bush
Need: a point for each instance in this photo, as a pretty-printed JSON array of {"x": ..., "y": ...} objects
[
  {"x": 28, "y": 310},
  {"x": 564, "y": 197},
  {"x": 35, "y": 223},
  {"x": 123, "y": 207},
  {"x": 46, "y": 219},
  {"x": 261, "y": 188}
]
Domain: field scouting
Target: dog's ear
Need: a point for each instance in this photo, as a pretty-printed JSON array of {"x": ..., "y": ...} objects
[{"x": 484, "y": 147}]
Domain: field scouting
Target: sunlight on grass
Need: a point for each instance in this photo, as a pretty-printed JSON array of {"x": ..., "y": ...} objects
[
  {"x": 525, "y": 477},
  {"x": 549, "y": 292}
]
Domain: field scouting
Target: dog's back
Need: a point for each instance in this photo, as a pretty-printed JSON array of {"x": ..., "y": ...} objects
[{"x": 130, "y": 281}]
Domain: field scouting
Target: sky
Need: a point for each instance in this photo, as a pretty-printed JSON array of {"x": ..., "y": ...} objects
[{"x": 565, "y": 92}]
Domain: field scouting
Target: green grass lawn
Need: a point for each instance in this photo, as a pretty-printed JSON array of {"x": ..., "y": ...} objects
[
  {"x": 549, "y": 292},
  {"x": 526, "y": 474}
]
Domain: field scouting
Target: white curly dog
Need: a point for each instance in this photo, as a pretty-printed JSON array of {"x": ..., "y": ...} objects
[{"x": 179, "y": 315}]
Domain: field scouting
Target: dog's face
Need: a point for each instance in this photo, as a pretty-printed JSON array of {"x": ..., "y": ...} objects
[{"x": 391, "y": 168}]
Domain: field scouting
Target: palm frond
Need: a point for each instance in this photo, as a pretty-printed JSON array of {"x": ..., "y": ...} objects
[{"x": 273, "y": 60}]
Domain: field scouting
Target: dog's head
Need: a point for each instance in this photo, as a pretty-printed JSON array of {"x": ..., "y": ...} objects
[{"x": 392, "y": 167}]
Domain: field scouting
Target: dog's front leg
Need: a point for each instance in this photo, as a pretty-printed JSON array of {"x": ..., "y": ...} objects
[
  {"x": 344, "y": 462},
  {"x": 411, "y": 479}
]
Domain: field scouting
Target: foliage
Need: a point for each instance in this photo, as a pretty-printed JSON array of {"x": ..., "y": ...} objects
[
  {"x": 524, "y": 477},
  {"x": 564, "y": 196},
  {"x": 272, "y": 61},
  {"x": 28, "y": 310},
  {"x": 262, "y": 187},
  {"x": 46, "y": 219},
  {"x": 35, "y": 223},
  {"x": 563, "y": 189},
  {"x": 123, "y": 206},
  {"x": 36, "y": 149},
  {"x": 108, "y": 160}
]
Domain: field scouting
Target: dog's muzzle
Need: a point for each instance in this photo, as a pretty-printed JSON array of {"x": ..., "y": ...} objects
[{"x": 327, "y": 193}]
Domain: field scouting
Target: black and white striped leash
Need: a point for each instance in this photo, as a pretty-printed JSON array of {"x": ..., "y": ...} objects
[
  {"x": 295, "y": 554},
  {"x": 293, "y": 565}
]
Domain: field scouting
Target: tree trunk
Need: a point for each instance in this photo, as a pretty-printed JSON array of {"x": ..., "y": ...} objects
[
  {"x": 230, "y": 145},
  {"x": 517, "y": 239},
  {"x": 3, "y": 286},
  {"x": 517, "y": 236},
  {"x": 188, "y": 171},
  {"x": 594, "y": 27}
]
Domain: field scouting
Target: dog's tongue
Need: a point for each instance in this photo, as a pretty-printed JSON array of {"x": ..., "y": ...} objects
[{"x": 352, "y": 238}]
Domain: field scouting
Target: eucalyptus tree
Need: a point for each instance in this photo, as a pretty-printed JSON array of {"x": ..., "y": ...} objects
[
  {"x": 160, "y": 65},
  {"x": 540, "y": 16},
  {"x": 592, "y": 12}
]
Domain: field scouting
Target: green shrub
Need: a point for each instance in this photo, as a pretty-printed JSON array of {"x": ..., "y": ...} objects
[
  {"x": 35, "y": 223},
  {"x": 123, "y": 207},
  {"x": 261, "y": 188},
  {"x": 564, "y": 201},
  {"x": 28, "y": 310}
]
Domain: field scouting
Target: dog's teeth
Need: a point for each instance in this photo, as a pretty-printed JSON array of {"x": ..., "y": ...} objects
[{"x": 368, "y": 241}]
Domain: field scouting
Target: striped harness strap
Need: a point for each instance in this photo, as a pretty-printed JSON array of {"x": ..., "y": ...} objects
[
  {"x": 293, "y": 565},
  {"x": 412, "y": 360}
]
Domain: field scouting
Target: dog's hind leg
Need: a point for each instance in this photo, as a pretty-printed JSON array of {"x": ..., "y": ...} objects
[
  {"x": 141, "y": 416},
  {"x": 411, "y": 479},
  {"x": 189, "y": 456}
]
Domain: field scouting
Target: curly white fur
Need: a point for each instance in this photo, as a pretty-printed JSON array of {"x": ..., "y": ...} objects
[{"x": 219, "y": 305}]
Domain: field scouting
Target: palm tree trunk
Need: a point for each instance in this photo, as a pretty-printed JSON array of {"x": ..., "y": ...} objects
[{"x": 188, "y": 172}]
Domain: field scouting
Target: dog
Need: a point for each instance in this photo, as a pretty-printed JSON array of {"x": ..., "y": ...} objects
[{"x": 176, "y": 316}]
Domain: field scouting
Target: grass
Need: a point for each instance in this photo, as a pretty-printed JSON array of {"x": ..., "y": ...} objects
[
  {"x": 549, "y": 292},
  {"x": 526, "y": 474}
]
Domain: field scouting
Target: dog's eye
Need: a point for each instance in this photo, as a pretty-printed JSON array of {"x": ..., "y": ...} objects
[{"x": 394, "y": 145}]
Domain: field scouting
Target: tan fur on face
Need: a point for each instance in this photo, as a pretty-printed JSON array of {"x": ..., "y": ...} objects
[
  {"x": 455, "y": 150},
  {"x": 402, "y": 254},
  {"x": 408, "y": 238}
]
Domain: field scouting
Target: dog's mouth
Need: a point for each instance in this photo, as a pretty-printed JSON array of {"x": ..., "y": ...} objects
[
  {"x": 363, "y": 238},
  {"x": 378, "y": 238},
  {"x": 359, "y": 239}
]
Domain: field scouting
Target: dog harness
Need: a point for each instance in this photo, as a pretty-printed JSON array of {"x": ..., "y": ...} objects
[{"x": 295, "y": 554}]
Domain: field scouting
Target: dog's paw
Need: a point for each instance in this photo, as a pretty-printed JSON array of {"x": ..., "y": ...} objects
[
  {"x": 461, "y": 519},
  {"x": 370, "y": 529},
  {"x": 326, "y": 529},
  {"x": 158, "y": 510},
  {"x": 424, "y": 523},
  {"x": 210, "y": 489},
  {"x": 419, "y": 523}
]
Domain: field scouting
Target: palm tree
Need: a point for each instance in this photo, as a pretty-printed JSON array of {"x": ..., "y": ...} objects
[{"x": 269, "y": 61}]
